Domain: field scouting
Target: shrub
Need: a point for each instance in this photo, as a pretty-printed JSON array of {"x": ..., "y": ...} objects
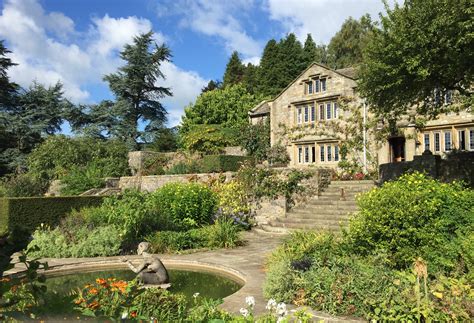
[
  {"x": 413, "y": 217},
  {"x": 232, "y": 197},
  {"x": 22, "y": 185},
  {"x": 277, "y": 155},
  {"x": 81, "y": 179},
  {"x": 188, "y": 167},
  {"x": 187, "y": 204},
  {"x": 222, "y": 234},
  {"x": 29, "y": 212},
  {"x": 222, "y": 163}
]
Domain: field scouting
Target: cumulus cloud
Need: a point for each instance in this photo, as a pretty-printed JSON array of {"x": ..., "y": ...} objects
[
  {"x": 321, "y": 18},
  {"x": 43, "y": 44},
  {"x": 217, "y": 19}
]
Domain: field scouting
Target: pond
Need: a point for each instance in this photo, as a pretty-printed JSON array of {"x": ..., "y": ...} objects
[{"x": 59, "y": 299}]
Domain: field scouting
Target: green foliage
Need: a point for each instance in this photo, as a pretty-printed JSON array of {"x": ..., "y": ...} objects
[
  {"x": 30, "y": 212},
  {"x": 185, "y": 167},
  {"x": 136, "y": 89},
  {"x": 227, "y": 107},
  {"x": 222, "y": 163},
  {"x": 161, "y": 305},
  {"x": 59, "y": 155},
  {"x": 234, "y": 71},
  {"x": 233, "y": 198},
  {"x": 421, "y": 46},
  {"x": 347, "y": 45},
  {"x": 188, "y": 205},
  {"x": 208, "y": 139},
  {"x": 317, "y": 269},
  {"x": 255, "y": 139},
  {"x": 413, "y": 217},
  {"x": 313, "y": 53},
  {"x": 277, "y": 155},
  {"x": 165, "y": 140},
  {"x": 81, "y": 179},
  {"x": 22, "y": 185}
]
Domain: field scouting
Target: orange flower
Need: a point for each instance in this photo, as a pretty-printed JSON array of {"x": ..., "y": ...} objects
[
  {"x": 14, "y": 288},
  {"x": 93, "y": 291},
  {"x": 79, "y": 301},
  {"x": 133, "y": 313},
  {"x": 5, "y": 279},
  {"x": 111, "y": 279},
  {"x": 87, "y": 286},
  {"x": 101, "y": 281},
  {"x": 121, "y": 285},
  {"x": 94, "y": 305}
]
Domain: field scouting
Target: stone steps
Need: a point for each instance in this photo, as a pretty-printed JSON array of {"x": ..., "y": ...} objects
[{"x": 329, "y": 211}]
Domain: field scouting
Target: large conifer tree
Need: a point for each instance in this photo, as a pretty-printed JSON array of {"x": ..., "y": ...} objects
[{"x": 234, "y": 71}]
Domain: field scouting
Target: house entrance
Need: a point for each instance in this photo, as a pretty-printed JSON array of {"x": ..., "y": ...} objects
[{"x": 397, "y": 149}]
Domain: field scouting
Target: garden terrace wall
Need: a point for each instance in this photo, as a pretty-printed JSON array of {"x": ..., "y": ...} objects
[
  {"x": 456, "y": 166},
  {"x": 27, "y": 213},
  {"x": 152, "y": 183}
]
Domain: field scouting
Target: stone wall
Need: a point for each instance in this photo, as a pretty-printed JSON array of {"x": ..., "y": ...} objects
[
  {"x": 152, "y": 183},
  {"x": 234, "y": 151},
  {"x": 456, "y": 166}
]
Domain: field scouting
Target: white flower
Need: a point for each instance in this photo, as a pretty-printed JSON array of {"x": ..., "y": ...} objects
[
  {"x": 244, "y": 312},
  {"x": 271, "y": 304},
  {"x": 195, "y": 295},
  {"x": 250, "y": 300},
  {"x": 280, "y": 319},
  {"x": 124, "y": 315},
  {"x": 281, "y": 309}
]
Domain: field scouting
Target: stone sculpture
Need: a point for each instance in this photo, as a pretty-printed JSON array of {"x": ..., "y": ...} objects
[{"x": 151, "y": 270}]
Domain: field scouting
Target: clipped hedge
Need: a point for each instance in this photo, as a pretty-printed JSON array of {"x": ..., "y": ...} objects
[
  {"x": 27, "y": 213},
  {"x": 222, "y": 163}
]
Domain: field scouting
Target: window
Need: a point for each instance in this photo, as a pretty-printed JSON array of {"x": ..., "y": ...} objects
[
  {"x": 299, "y": 116},
  {"x": 306, "y": 114},
  {"x": 336, "y": 153},
  {"x": 313, "y": 154},
  {"x": 427, "y": 141},
  {"x": 448, "y": 97},
  {"x": 323, "y": 85},
  {"x": 447, "y": 141},
  {"x": 321, "y": 112},
  {"x": 335, "y": 110},
  {"x": 471, "y": 139},
  {"x": 437, "y": 144},
  {"x": 310, "y": 87},
  {"x": 306, "y": 154},
  {"x": 321, "y": 155},
  {"x": 316, "y": 86},
  {"x": 313, "y": 113},
  {"x": 462, "y": 139},
  {"x": 328, "y": 110},
  {"x": 329, "y": 153},
  {"x": 300, "y": 155}
]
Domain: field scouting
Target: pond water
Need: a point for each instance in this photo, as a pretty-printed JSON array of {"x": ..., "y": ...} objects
[{"x": 59, "y": 298}]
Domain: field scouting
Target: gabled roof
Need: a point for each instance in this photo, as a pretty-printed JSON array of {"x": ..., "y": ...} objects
[
  {"x": 345, "y": 72},
  {"x": 262, "y": 108}
]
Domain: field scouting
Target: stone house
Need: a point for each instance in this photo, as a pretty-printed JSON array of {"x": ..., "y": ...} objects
[{"x": 306, "y": 118}]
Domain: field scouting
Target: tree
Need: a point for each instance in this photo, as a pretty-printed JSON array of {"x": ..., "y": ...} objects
[
  {"x": 228, "y": 107},
  {"x": 136, "y": 90},
  {"x": 36, "y": 114},
  {"x": 7, "y": 89},
  {"x": 346, "y": 47},
  {"x": 234, "y": 71},
  {"x": 165, "y": 140},
  {"x": 255, "y": 139},
  {"x": 268, "y": 74},
  {"x": 250, "y": 78},
  {"x": 290, "y": 57},
  {"x": 421, "y": 53},
  {"x": 212, "y": 85}
]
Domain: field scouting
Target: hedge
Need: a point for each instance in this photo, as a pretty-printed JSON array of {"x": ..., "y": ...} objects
[
  {"x": 27, "y": 213},
  {"x": 222, "y": 163}
]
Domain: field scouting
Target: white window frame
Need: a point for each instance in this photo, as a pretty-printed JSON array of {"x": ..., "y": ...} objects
[
  {"x": 425, "y": 136},
  {"x": 437, "y": 134},
  {"x": 322, "y": 153},
  {"x": 322, "y": 109},
  {"x": 313, "y": 113},
  {"x": 448, "y": 138},
  {"x": 336, "y": 112},
  {"x": 306, "y": 114},
  {"x": 317, "y": 85},
  {"x": 462, "y": 134},
  {"x": 324, "y": 84},
  {"x": 310, "y": 87},
  {"x": 471, "y": 139},
  {"x": 300, "y": 154},
  {"x": 329, "y": 153},
  {"x": 336, "y": 153},
  {"x": 299, "y": 116}
]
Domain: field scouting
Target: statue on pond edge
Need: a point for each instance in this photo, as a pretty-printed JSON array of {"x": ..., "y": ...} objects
[{"x": 151, "y": 270}]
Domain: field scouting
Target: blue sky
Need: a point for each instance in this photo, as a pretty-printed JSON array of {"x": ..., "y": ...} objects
[{"x": 78, "y": 41}]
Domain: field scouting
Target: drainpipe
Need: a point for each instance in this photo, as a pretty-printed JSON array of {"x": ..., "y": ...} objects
[{"x": 364, "y": 136}]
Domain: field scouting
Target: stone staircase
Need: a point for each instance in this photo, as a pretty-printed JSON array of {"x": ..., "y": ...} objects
[{"x": 328, "y": 211}]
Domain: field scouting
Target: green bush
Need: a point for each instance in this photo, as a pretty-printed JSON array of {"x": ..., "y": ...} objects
[
  {"x": 188, "y": 205},
  {"x": 413, "y": 217},
  {"x": 316, "y": 269},
  {"x": 58, "y": 155},
  {"x": 222, "y": 163},
  {"x": 222, "y": 234},
  {"x": 188, "y": 167},
  {"x": 81, "y": 179},
  {"x": 132, "y": 213},
  {"x": 23, "y": 185},
  {"x": 29, "y": 212}
]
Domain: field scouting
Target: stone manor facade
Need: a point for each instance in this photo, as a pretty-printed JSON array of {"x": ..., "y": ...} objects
[{"x": 306, "y": 118}]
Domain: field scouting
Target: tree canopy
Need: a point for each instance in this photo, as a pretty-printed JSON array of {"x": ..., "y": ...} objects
[
  {"x": 234, "y": 71},
  {"x": 422, "y": 48}
]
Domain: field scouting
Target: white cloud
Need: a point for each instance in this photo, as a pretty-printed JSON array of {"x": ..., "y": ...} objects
[
  {"x": 321, "y": 18},
  {"x": 43, "y": 46},
  {"x": 216, "y": 18}
]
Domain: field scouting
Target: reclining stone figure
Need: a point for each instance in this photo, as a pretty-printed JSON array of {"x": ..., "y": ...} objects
[{"x": 151, "y": 270}]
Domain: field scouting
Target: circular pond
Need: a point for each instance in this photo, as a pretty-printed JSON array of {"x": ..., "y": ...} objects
[{"x": 59, "y": 299}]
